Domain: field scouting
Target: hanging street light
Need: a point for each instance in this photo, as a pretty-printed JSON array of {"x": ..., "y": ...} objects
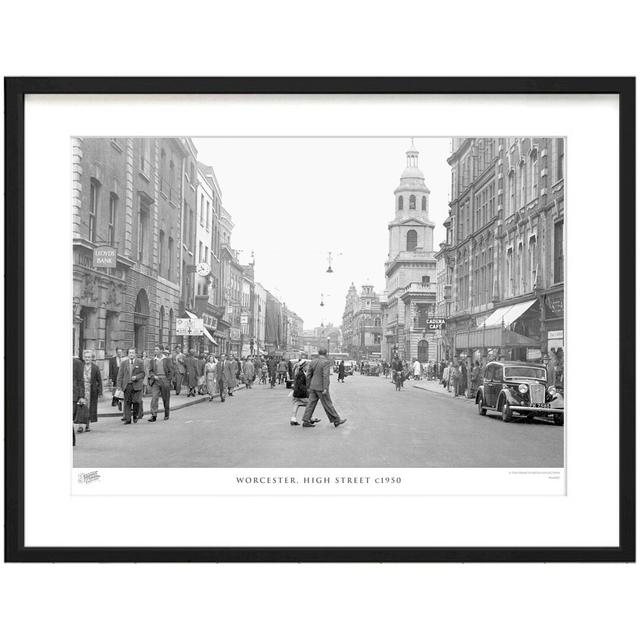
[{"x": 329, "y": 259}]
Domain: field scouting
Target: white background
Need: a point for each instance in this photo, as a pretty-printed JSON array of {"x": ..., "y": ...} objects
[
  {"x": 587, "y": 516},
  {"x": 321, "y": 601}
]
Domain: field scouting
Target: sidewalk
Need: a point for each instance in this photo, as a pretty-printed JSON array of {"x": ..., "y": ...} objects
[
  {"x": 435, "y": 387},
  {"x": 105, "y": 410}
]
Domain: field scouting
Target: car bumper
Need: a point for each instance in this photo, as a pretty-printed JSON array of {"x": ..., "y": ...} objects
[{"x": 520, "y": 409}]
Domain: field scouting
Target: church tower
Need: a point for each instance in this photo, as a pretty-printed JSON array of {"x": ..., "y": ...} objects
[{"x": 410, "y": 269}]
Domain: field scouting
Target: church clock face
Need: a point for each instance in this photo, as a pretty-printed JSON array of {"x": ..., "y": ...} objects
[{"x": 203, "y": 269}]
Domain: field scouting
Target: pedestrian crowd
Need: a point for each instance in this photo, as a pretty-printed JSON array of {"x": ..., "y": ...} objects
[{"x": 136, "y": 376}]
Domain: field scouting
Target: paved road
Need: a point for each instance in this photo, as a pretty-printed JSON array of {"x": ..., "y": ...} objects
[{"x": 385, "y": 428}]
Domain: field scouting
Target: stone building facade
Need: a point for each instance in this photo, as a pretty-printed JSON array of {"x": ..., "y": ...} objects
[
  {"x": 410, "y": 270},
  {"x": 127, "y": 194},
  {"x": 504, "y": 252}
]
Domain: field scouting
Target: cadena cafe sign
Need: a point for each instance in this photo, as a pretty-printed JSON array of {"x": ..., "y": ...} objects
[{"x": 104, "y": 257}]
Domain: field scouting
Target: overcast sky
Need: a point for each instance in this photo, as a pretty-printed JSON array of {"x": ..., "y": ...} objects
[{"x": 293, "y": 200}]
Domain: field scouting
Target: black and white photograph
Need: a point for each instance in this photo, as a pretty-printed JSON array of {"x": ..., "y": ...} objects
[{"x": 318, "y": 302}]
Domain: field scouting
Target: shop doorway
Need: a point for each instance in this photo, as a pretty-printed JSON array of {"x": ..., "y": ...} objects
[{"x": 423, "y": 351}]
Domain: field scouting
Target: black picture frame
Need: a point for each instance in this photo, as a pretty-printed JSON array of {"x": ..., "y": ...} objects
[{"x": 15, "y": 91}]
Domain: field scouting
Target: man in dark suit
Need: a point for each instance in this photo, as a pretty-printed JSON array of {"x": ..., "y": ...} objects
[
  {"x": 130, "y": 380},
  {"x": 114, "y": 367},
  {"x": 318, "y": 372},
  {"x": 221, "y": 382},
  {"x": 160, "y": 376},
  {"x": 78, "y": 390}
]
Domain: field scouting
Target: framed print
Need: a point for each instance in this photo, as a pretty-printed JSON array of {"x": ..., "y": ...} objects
[{"x": 320, "y": 319}]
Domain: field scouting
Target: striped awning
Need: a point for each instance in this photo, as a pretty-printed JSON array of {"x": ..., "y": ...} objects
[{"x": 504, "y": 316}]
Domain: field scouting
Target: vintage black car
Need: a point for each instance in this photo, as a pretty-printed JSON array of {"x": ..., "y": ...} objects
[{"x": 519, "y": 388}]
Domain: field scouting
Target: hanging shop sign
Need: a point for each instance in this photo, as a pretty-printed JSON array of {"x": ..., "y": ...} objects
[
  {"x": 189, "y": 326},
  {"x": 244, "y": 318},
  {"x": 435, "y": 324},
  {"x": 104, "y": 257},
  {"x": 234, "y": 333}
]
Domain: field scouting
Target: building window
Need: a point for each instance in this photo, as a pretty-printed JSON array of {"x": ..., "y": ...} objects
[
  {"x": 163, "y": 161},
  {"x": 560, "y": 159},
  {"x": 170, "y": 261},
  {"x": 199, "y": 251},
  {"x": 400, "y": 203},
  {"x": 202, "y": 211},
  {"x": 170, "y": 342},
  {"x": 412, "y": 239},
  {"x": 558, "y": 252},
  {"x": 426, "y": 280},
  {"x": 143, "y": 230},
  {"x": 424, "y": 203},
  {"x": 145, "y": 156},
  {"x": 113, "y": 209},
  {"x": 185, "y": 222},
  {"x": 533, "y": 181},
  {"x": 533, "y": 262},
  {"x": 520, "y": 270},
  {"x": 161, "y": 327},
  {"x": 94, "y": 194},
  {"x": 523, "y": 186},
  {"x": 191, "y": 227},
  {"x": 208, "y": 220},
  {"x": 509, "y": 273},
  {"x": 161, "y": 252},
  {"x": 412, "y": 202},
  {"x": 512, "y": 194},
  {"x": 172, "y": 174}
]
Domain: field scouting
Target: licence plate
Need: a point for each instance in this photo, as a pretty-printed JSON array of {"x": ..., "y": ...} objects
[{"x": 542, "y": 405}]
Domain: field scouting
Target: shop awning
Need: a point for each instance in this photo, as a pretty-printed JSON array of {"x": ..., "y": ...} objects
[
  {"x": 504, "y": 316},
  {"x": 493, "y": 337},
  {"x": 208, "y": 335},
  {"x": 205, "y": 331}
]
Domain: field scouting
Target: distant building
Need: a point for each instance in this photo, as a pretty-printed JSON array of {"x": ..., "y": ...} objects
[
  {"x": 410, "y": 270},
  {"x": 259, "y": 317},
  {"x": 362, "y": 323}
]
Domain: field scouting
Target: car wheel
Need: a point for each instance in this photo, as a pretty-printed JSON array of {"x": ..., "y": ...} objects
[
  {"x": 506, "y": 412},
  {"x": 481, "y": 410},
  {"x": 558, "y": 419}
]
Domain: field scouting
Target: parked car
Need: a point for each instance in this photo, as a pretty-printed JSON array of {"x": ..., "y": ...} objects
[{"x": 519, "y": 388}]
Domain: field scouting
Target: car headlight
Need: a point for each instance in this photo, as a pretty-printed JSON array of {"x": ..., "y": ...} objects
[
  {"x": 523, "y": 388},
  {"x": 552, "y": 391}
]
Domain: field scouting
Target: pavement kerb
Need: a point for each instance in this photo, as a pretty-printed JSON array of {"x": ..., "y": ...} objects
[
  {"x": 439, "y": 393},
  {"x": 118, "y": 414}
]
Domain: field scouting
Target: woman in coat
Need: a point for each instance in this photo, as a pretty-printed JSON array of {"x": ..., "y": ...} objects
[
  {"x": 92, "y": 381},
  {"x": 210, "y": 376},
  {"x": 191, "y": 367},
  {"x": 230, "y": 372},
  {"x": 249, "y": 372}
]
